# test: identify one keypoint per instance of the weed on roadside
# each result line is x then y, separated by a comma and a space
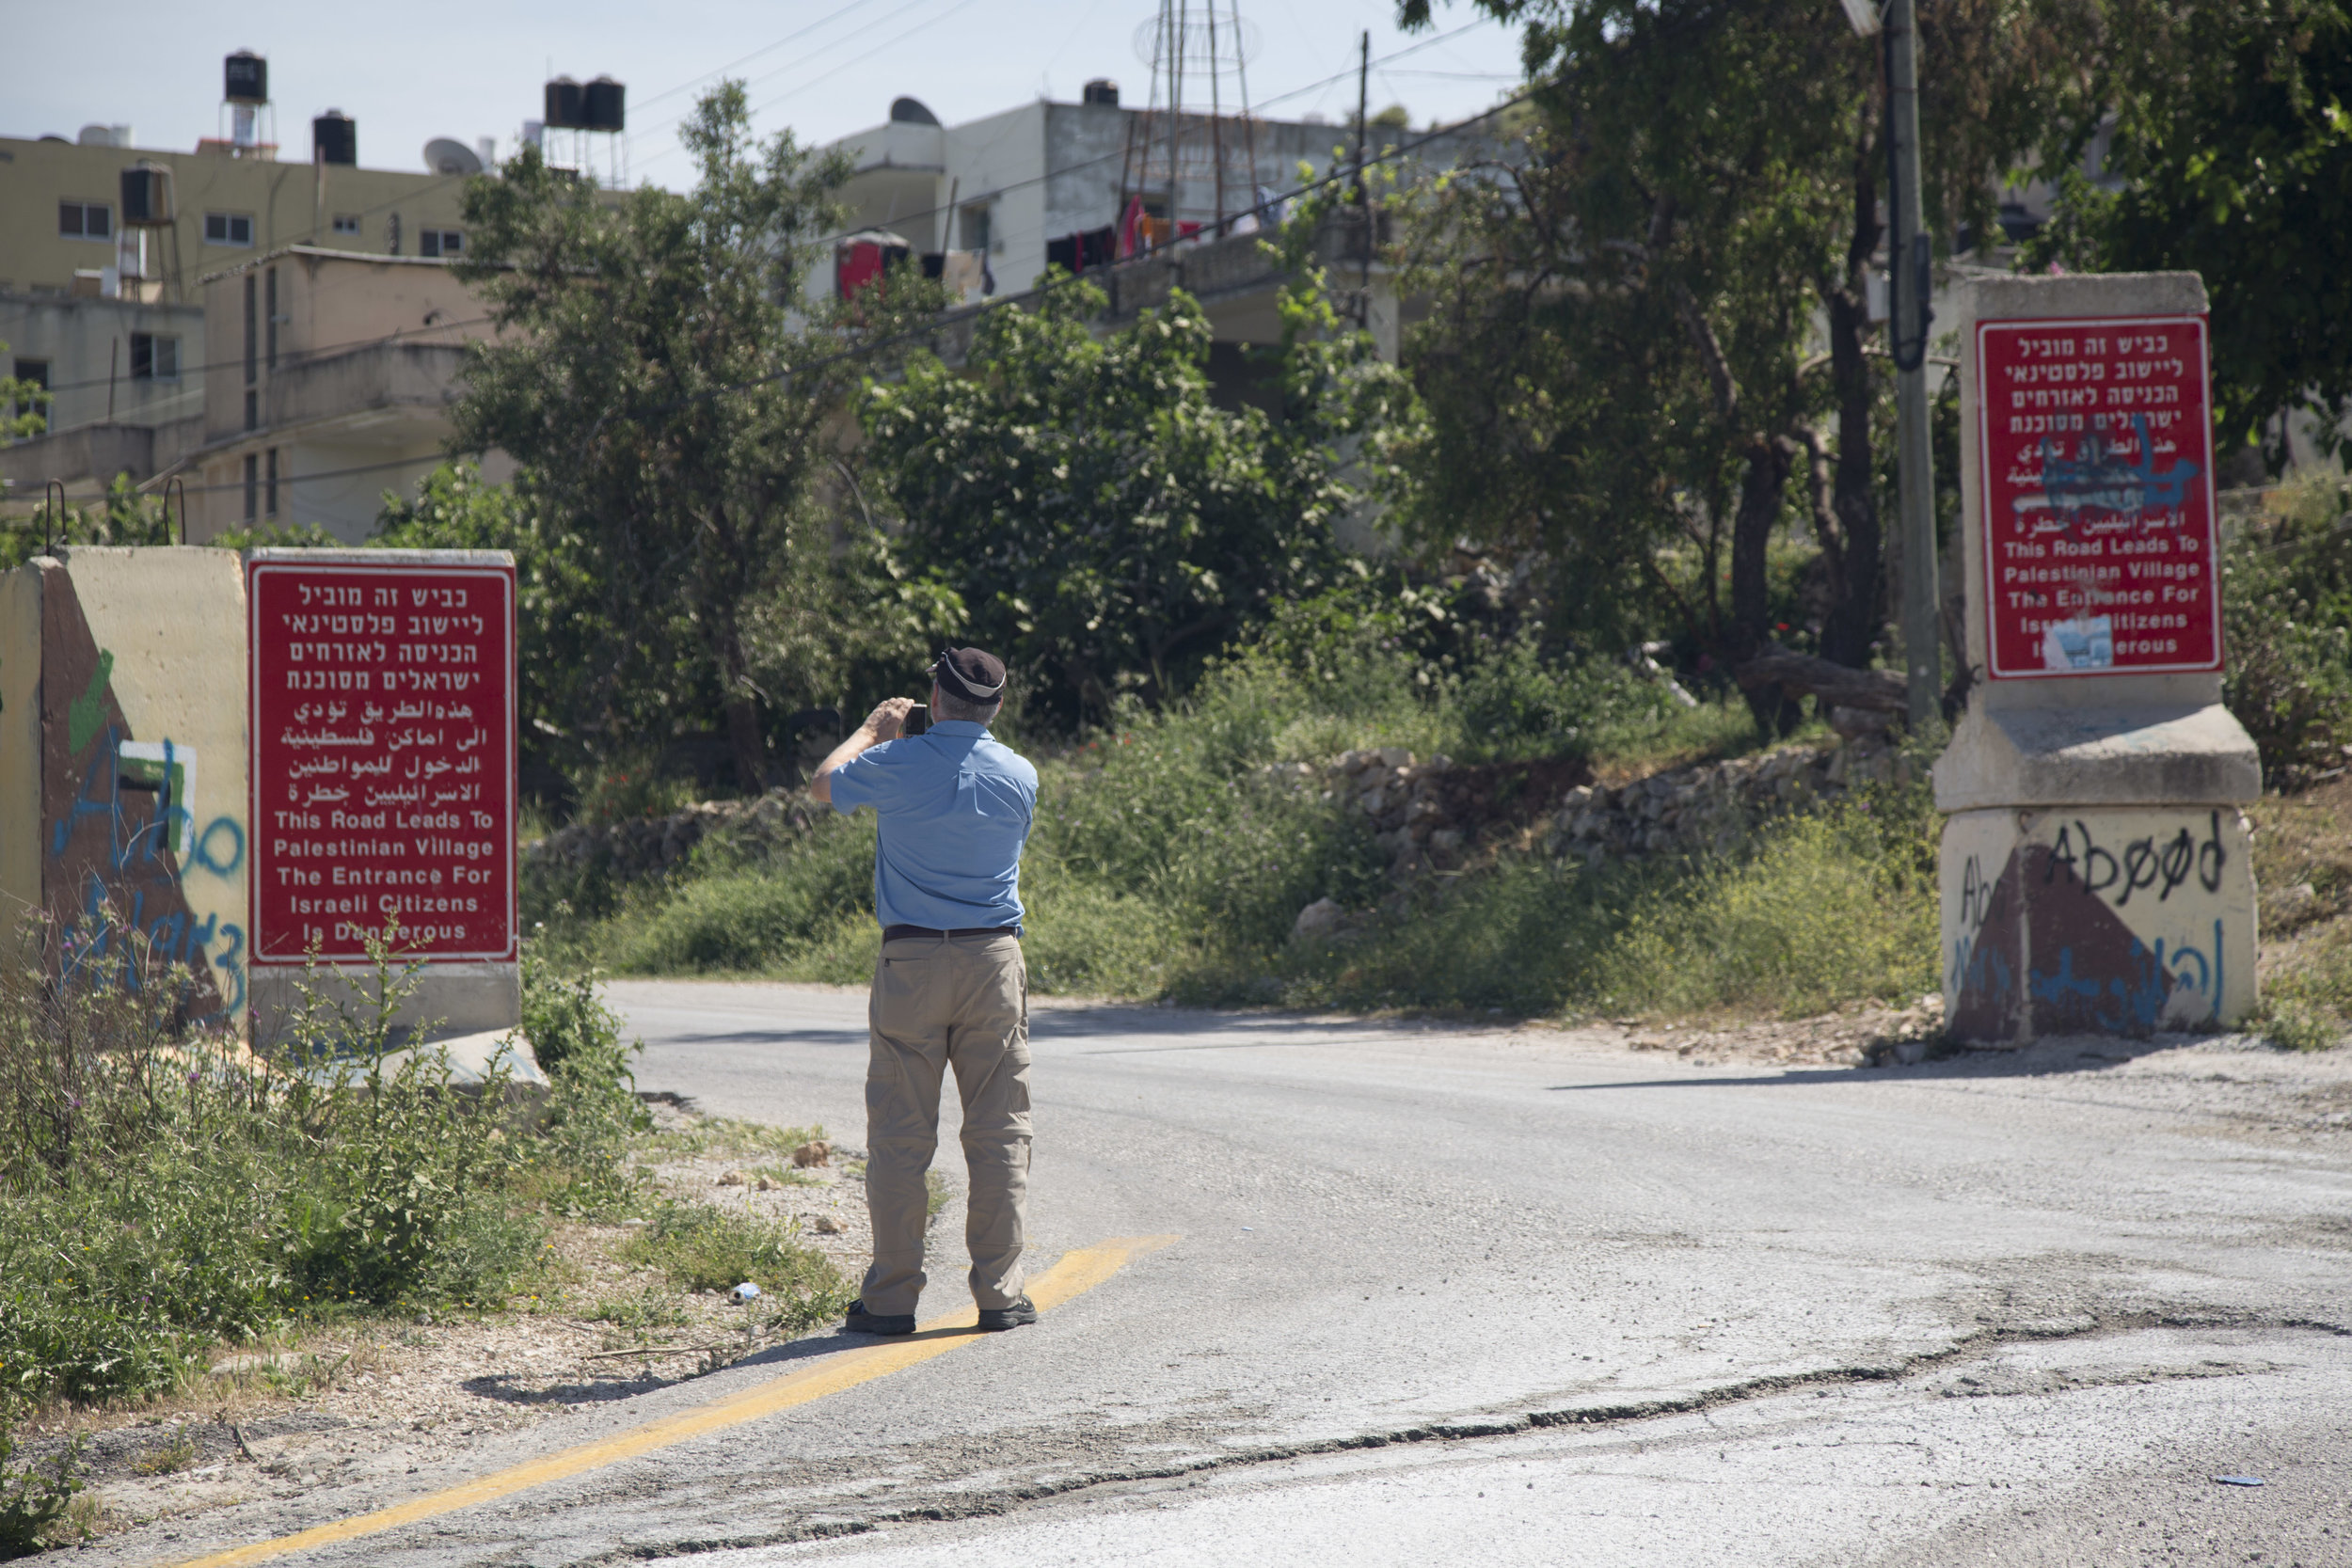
708, 1137
702, 1248
171, 1458
37, 1500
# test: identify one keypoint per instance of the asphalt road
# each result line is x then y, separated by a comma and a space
1441, 1294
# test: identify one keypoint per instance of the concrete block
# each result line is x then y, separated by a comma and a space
2121, 920
123, 785
2144, 754
450, 999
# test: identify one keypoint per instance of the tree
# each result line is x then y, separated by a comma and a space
669, 390
2231, 155
1110, 526
1654, 309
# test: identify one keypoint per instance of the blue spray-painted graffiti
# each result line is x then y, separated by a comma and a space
2151, 995
2097, 491
143, 817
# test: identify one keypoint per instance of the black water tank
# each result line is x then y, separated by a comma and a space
146, 195
564, 109
334, 138
601, 105
1102, 90
911, 111
246, 78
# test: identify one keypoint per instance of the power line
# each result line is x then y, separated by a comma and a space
846, 39
764, 49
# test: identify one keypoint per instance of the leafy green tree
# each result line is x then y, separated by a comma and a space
1651, 315
1109, 525
841, 621
667, 384
2231, 155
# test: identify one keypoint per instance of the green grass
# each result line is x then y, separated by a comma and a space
707, 1135
1173, 851
162, 1193
699, 1247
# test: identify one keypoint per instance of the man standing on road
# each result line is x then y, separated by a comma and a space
950, 988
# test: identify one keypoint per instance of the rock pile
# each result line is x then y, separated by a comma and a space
648, 847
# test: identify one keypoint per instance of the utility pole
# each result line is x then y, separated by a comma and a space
1363, 190
1909, 279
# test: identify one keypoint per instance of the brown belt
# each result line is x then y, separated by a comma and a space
895, 933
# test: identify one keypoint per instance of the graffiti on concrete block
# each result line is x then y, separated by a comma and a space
124, 833
2121, 921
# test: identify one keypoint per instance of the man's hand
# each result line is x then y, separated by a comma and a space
888, 720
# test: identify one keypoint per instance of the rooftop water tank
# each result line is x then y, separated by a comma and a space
246, 78
1101, 90
911, 111
601, 105
566, 108
147, 195
335, 138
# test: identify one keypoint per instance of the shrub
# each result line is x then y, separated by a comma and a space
2287, 602
160, 1192
1827, 910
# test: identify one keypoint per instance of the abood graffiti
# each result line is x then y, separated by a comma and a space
130, 859
2113, 920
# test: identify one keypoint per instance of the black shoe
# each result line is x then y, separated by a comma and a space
861, 1322
995, 1319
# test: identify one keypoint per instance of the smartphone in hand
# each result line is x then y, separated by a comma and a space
918, 719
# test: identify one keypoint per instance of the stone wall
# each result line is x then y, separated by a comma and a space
1432, 814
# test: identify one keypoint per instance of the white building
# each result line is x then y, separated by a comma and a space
1062, 182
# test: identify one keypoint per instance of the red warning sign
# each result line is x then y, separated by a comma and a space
2094, 441
383, 758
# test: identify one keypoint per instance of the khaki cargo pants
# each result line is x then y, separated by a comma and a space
939, 1001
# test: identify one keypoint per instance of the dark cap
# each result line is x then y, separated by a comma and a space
971, 674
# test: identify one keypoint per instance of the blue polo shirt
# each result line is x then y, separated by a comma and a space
954, 808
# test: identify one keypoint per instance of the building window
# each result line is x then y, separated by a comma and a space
229, 228
440, 242
154, 356
86, 220
33, 371
974, 224
271, 493
252, 485
348, 223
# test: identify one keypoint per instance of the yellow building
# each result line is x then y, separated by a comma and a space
61, 215
109, 314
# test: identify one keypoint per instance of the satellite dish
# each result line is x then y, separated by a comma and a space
448, 155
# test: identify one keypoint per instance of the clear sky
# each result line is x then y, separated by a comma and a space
420, 69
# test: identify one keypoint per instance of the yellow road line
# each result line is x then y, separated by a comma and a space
1078, 1272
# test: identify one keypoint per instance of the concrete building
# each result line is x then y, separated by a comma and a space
1066, 183
126, 380
106, 311
61, 212
333, 374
